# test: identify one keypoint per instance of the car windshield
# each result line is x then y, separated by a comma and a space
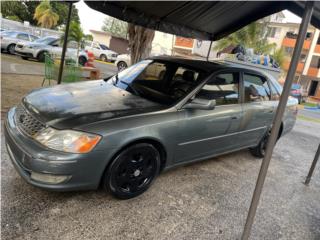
104, 47
45, 40
163, 82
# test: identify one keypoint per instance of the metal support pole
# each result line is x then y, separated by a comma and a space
277, 120
313, 166
209, 51
65, 42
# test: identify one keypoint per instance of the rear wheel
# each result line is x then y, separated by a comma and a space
260, 150
11, 48
132, 171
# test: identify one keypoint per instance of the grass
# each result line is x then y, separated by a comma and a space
301, 117
309, 104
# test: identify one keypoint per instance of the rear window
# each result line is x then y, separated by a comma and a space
9, 34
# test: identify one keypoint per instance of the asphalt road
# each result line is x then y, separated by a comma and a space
15, 65
207, 200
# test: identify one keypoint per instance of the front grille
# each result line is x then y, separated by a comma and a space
26, 122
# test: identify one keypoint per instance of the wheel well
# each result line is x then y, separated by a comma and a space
155, 143
103, 55
41, 52
10, 45
122, 62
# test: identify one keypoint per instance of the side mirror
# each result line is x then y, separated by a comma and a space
203, 104
55, 45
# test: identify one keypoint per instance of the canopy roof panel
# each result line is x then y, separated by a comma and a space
208, 20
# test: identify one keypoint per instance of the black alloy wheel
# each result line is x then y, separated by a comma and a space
11, 48
132, 171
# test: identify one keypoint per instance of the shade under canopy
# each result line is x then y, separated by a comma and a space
208, 20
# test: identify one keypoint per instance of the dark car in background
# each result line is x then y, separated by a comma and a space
296, 92
121, 132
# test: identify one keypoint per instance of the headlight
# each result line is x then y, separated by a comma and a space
67, 140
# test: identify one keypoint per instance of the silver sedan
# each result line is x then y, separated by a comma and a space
9, 40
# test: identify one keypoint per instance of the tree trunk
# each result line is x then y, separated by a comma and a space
140, 42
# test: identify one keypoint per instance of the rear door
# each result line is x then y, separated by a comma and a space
258, 110
204, 133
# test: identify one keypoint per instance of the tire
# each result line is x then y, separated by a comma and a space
260, 150
82, 60
103, 58
121, 66
41, 57
11, 48
132, 171
25, 58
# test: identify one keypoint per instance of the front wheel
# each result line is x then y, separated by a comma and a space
11, 48
132, 171
103, 58
82, 60
41, 57
121, 66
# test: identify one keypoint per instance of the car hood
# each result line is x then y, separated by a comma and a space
73, 105
35, 45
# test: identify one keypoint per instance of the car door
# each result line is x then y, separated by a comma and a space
258, 110
96, 50
206, 133
55, 48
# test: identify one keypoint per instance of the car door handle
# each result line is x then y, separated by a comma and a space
234, 117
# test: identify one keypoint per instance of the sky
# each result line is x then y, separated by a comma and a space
91, 19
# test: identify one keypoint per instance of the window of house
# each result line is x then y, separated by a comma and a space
224, 88
273, 32
255, 88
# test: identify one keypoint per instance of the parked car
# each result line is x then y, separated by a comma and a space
9, 39
101, 51
50, 45
296, 91
121, 132
123, 61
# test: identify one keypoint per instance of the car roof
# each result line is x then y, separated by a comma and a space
205, 66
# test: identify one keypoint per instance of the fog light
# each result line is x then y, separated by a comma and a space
49, 178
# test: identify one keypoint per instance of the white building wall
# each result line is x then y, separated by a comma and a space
162, 43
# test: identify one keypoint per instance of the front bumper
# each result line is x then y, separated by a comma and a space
84, 170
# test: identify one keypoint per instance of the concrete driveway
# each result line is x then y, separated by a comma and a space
207, 200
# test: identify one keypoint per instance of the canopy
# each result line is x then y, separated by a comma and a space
207, 20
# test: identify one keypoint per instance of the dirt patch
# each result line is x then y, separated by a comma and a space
14, 87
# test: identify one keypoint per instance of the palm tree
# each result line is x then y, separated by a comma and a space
75, 34
253, 36
45, 16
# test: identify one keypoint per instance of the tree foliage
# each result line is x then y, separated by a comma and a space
45, 16
253, 36
115, 26
279, 56
140, 42
24, 11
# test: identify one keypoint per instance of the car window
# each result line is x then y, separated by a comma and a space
56, 43
185, 74
255, 88
224, 88
23, 36
9, 33
154, 71
274, 95
104, 47
33, 38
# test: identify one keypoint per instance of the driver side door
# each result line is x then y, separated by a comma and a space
205, 133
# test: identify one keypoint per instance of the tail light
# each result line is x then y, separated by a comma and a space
296, 91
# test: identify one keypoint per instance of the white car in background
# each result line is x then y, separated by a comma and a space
101, 51
123, 61
9, 40
51, 46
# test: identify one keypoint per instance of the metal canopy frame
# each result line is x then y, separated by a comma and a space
307, 14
